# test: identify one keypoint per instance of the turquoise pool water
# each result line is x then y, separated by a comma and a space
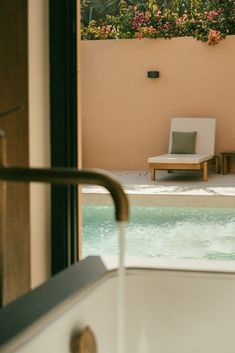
183, 233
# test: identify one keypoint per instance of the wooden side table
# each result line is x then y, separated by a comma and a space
225, 160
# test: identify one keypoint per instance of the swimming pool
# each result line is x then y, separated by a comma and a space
168, 232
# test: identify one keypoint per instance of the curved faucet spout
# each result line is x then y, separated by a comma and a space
72, 176
66, 176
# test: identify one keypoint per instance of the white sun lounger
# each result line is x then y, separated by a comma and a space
204, 148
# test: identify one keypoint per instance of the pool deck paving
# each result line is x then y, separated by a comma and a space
174, 189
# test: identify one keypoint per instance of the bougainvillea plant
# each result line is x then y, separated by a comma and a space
208, 21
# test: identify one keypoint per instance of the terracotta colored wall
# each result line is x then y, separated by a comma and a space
126, 116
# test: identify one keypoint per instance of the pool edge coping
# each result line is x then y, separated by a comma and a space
170, 200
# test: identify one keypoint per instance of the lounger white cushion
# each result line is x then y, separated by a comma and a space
204, 147
180, 158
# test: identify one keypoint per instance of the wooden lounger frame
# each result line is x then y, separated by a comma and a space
179, 166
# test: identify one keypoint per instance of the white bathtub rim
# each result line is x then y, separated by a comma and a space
47, 319
134, 268
138, 262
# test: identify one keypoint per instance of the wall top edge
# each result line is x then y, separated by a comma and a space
186, 38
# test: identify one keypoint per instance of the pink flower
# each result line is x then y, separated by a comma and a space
147, 15
138, 20
167, 26
214, 37
213, 15
138, 35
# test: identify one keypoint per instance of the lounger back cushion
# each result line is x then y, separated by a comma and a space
183, 142
205, 128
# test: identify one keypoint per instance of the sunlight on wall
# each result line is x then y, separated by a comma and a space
126, 116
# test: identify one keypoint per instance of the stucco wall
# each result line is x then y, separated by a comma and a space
126, 116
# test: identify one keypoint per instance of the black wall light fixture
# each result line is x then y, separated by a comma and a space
153, 74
